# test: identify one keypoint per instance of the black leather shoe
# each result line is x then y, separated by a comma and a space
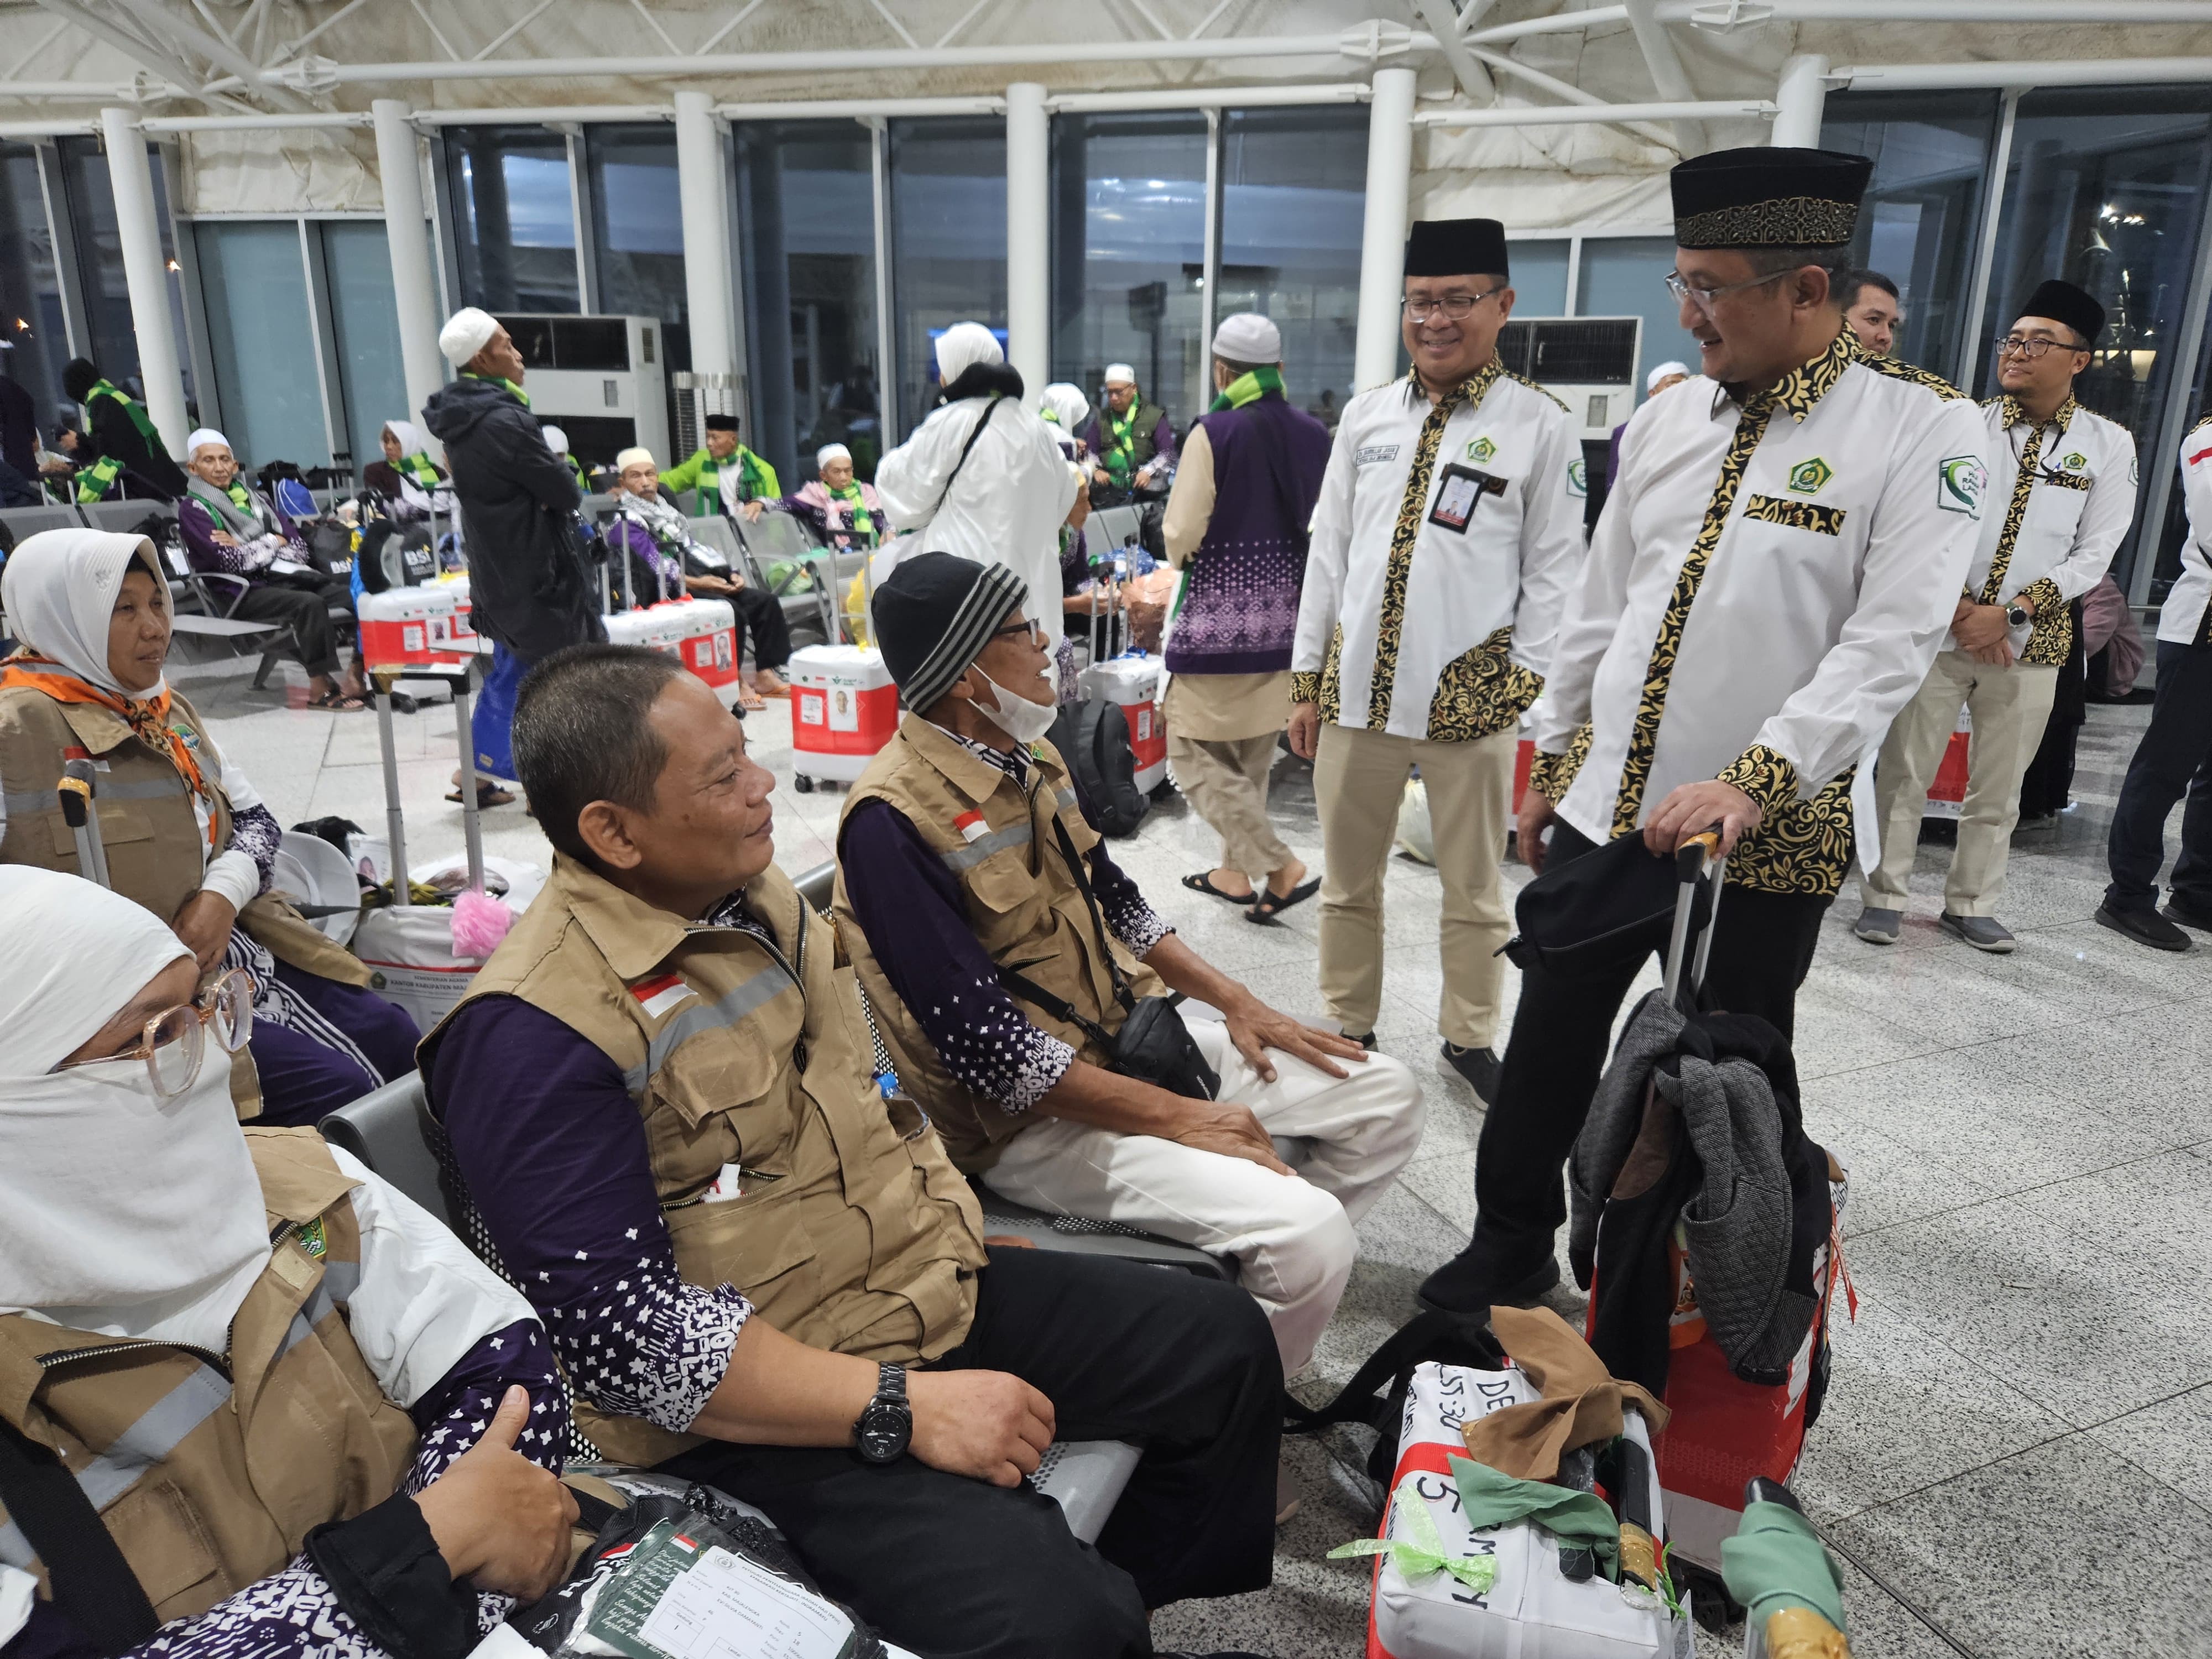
1479, 1066
2144, 926
1366, 1042
2188, 914
1461, 1286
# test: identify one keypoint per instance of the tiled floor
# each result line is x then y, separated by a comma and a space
2013, 1461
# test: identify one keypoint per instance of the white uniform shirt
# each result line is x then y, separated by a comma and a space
2061, 495
1764, 592
1005, 508
1440, 630
2186, 617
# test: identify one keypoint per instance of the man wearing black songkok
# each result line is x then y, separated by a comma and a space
1776, 564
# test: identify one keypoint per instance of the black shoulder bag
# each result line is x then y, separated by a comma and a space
93, 1585
1153, 1045
981, 421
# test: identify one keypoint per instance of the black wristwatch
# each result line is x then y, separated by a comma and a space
887, 1423
2019, 615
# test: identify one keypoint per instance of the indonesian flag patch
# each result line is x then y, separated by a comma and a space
971, 826
658, 996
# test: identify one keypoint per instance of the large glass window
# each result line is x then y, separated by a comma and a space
1128, 255
30, 296
1920, 223
948, 182
1294, 190
91, 198
263, 338
2105, 190
1626, 276
637, 211
515, 222
1540, 277
807, 217
365, 323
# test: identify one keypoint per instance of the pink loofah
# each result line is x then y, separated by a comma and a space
480, 921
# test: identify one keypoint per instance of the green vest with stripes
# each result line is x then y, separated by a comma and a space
852, 1230
1021, 900
207, 1482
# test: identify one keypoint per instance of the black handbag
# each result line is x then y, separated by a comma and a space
1153, 1045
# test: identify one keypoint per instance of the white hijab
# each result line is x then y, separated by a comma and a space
411, 442
119, 1213
961, 347
1067, 404
59, 591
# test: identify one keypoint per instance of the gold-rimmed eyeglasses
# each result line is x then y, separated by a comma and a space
175, 1040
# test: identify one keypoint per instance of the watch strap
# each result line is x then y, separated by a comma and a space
891, 1381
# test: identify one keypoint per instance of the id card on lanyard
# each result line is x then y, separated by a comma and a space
1460, 492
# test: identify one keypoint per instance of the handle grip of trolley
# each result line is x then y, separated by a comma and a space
1697, 861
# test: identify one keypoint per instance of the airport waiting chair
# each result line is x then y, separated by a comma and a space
389, 1130
23, 521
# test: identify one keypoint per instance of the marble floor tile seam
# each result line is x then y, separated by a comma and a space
1910, 1608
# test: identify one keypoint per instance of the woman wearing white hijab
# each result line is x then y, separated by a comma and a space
409, 481
186, 834
310, 1422
1063, 407
983, 476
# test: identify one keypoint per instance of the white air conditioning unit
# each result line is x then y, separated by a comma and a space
1589, 363
602, 380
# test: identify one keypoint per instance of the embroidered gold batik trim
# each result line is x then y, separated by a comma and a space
1305, 685
1332, 689
1413, 508
1797, 515
2016, 511
1787, 222
1482, 692
1545, 390
1552, 775
1800, 846
1889, 368
2050, 632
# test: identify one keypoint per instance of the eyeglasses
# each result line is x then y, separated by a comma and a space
1032, 630
1457, 306
1704, 297
2029, 346
175, 1041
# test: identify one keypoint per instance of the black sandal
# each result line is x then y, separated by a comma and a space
1203, 883
487, 795
340, 702
1269, 906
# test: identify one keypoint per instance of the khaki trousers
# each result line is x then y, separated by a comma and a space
1226, 779
2010, 708
1359, 781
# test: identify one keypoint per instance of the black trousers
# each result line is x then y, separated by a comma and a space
1763, 946
2174, 757
761, 614
305, 611
946, 1566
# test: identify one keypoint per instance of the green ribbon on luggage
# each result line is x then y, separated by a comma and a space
1421, 1551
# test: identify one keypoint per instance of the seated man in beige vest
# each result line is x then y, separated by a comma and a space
250, 1396
760, 1272
1001, 973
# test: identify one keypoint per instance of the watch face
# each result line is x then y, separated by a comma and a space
882, 1433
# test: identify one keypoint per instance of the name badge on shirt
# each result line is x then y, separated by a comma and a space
1457, 496
1374, 455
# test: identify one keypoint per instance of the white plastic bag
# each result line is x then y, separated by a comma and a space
1415, 838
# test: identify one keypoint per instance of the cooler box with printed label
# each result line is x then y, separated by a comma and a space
424, 628
701, 633
1532, 1609
1947, 793
843, 709
1134, 682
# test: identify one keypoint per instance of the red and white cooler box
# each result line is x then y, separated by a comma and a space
843, 709
425, 628
1134, 682
701, 633
1532, 1610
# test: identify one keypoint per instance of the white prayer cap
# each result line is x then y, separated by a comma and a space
1119, 375
963, 345
466, 332
1651, 380
557, 440
830, 453
630, 458
206, 435
1247, 338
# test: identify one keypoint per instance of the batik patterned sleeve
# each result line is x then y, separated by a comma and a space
554, 1155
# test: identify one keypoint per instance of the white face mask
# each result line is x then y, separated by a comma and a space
1018, 717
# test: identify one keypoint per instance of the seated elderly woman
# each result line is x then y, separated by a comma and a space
230, 529
839, 507
302, 1418
187, 836
409, 481
666, 561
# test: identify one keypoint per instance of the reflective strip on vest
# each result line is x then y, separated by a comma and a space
46, 800
340, 1281
154, 1436
756, 993
966, 858
1066, 798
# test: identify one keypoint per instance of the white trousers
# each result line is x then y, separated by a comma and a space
1290, 1234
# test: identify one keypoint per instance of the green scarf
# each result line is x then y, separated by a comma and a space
583, 478
521, 396
131, 407
233, 508
863, 522
756, 481
1120, 449
420, 468
1246, 388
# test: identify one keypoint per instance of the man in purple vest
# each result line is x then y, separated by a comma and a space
1236, 527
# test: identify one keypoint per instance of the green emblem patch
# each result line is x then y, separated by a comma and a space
1807, 478
1482, 451
2075, 462
310, 1236
1578, 476
1960, 480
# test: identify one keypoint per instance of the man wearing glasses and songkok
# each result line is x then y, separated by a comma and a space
1777, 562
1448, 530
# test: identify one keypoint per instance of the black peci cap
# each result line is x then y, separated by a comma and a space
1456, 247
2062, 302
721, 423
1768, 197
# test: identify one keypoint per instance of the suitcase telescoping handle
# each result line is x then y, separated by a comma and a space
1696, 860
78, 784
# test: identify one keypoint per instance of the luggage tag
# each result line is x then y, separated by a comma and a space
1462, 490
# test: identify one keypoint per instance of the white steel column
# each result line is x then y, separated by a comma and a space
704, 194
1801, 99
406, 231
1383, 239
1029, 235
146, 276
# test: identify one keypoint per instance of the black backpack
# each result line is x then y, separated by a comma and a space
1093, 738
1449, 1339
